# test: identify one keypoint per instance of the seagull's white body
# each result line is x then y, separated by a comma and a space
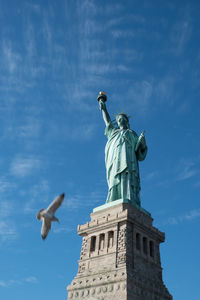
47, 215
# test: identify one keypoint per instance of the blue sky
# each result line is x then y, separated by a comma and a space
55, 56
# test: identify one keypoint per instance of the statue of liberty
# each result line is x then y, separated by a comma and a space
122, 152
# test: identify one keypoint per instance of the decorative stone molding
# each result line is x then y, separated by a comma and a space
118, 269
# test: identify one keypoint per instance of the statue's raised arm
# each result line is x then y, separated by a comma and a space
124, 149
102, 106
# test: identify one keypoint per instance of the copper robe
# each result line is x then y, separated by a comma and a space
122, 164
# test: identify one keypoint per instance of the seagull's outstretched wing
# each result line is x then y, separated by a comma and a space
55, 204
46, 226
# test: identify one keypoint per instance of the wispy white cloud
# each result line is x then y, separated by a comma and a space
113, 8
91, 27
82, 200
34, 7
10, 57
39, 193
107, 68
20, 67
117, 33
87, 131
47, 30
7, 230
31, 128
6, 185
73, 202
164, 88
186, 169
31, 279
26, 127
24, 166
88, 6
183, 107
62, 229
96, 61
181, 34
15, 67
138, 19
3, 283
152, 175
14, 282
139, 94
6, 208
123, 68
197, 184
30, 41
189, 216
78, 132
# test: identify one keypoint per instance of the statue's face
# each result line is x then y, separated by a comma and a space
122, 122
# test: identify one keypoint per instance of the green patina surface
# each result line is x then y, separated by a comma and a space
122, 152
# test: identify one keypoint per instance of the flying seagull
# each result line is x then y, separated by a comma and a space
47, 215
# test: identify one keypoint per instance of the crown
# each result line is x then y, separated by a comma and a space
123, 114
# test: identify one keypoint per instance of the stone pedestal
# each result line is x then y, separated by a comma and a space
120, 257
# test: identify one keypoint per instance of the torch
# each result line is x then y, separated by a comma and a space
102, 96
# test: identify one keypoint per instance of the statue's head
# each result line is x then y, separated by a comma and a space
122, 121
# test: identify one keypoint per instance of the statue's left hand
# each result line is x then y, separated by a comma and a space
143, 141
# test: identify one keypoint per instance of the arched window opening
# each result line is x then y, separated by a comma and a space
145, 245
101, 241
151, 247
93, 244
138, 241
110, 239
